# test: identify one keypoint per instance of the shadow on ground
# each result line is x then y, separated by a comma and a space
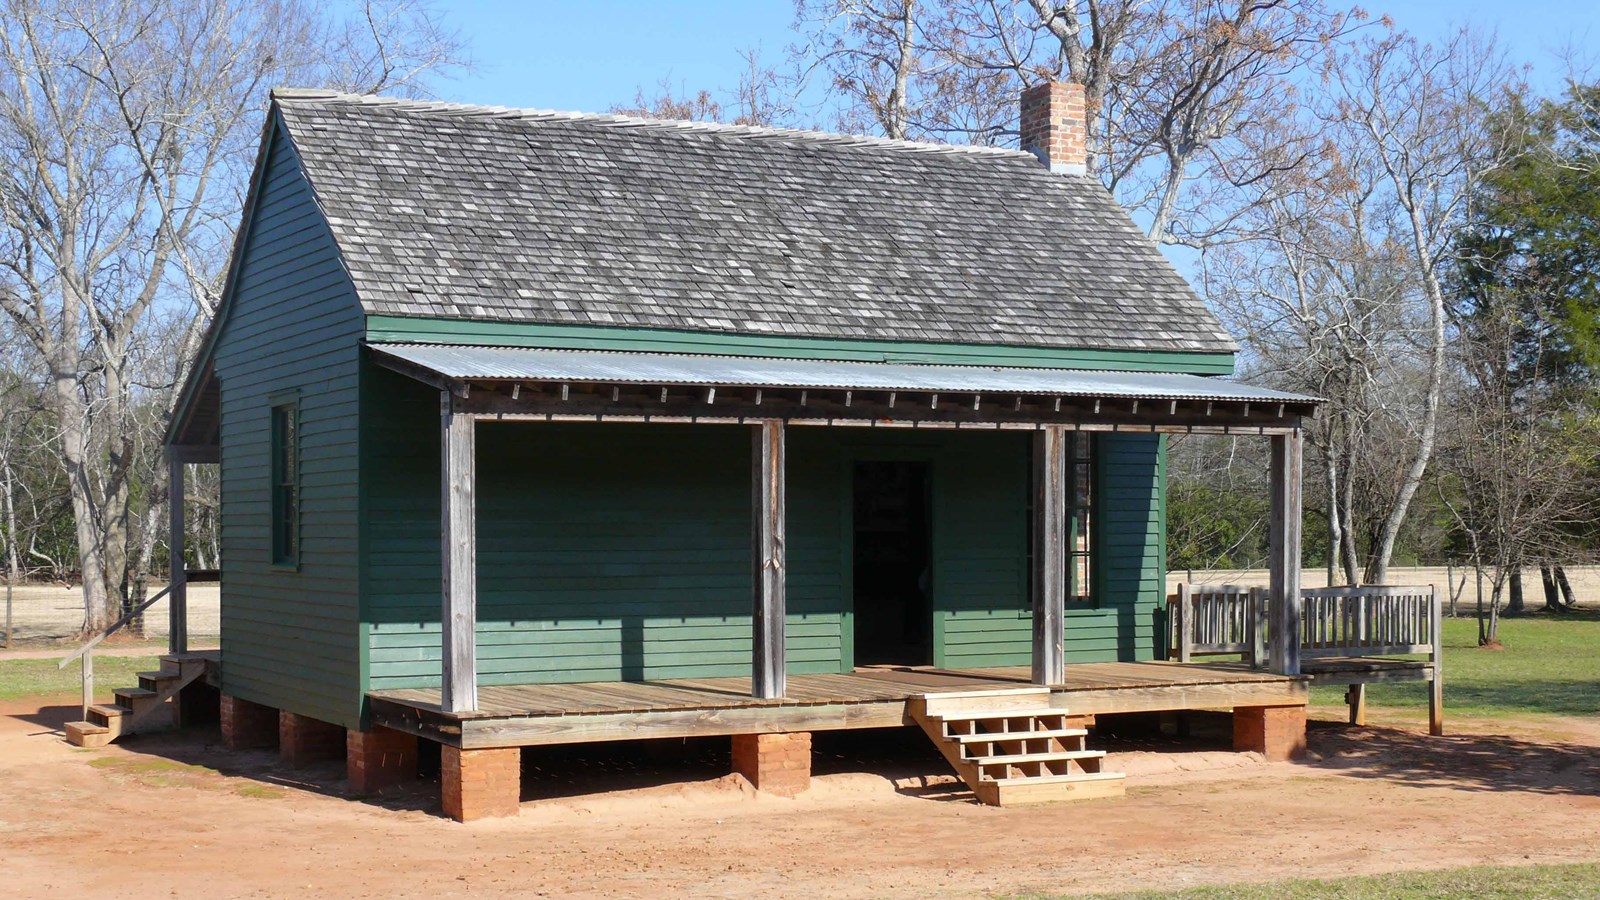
902, 756
1473, 762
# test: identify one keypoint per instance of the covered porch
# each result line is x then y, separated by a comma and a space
1030, 715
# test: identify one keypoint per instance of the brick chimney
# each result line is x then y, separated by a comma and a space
1053, 127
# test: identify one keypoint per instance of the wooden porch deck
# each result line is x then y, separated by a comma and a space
523, 715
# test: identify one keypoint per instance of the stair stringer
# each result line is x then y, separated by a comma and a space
1081, 774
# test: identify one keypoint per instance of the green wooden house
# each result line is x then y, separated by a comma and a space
540, 427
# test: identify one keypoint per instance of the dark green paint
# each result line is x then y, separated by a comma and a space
594, 337
292, 329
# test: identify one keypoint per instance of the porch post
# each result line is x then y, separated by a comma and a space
767, 679
1049, 553
1284, 593
178, 581
458, 558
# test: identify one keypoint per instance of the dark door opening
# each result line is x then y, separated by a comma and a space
892, 577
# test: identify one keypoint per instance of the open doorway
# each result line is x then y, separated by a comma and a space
892, 574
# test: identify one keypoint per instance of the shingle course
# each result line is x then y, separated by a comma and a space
560, 218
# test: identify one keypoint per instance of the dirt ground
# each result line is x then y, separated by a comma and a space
175, 815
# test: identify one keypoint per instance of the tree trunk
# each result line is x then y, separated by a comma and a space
1552, 596
1516, 606
8, 505
1483, 625
1569, 598
75, 453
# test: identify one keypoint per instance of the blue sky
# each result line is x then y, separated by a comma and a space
584, 55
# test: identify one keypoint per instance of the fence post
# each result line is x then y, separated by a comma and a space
1258, 628
1181, 623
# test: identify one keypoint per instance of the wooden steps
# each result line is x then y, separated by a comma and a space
149, 707
1011, 747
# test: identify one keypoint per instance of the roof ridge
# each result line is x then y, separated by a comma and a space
617, 120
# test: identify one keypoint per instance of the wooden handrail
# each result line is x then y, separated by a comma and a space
1374, 620
132, 614
1212, 620
1371, 620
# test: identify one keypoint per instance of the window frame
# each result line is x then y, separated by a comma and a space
1082, 494
1083, 461
283, 426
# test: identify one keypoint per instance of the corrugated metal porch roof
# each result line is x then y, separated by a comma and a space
459, 363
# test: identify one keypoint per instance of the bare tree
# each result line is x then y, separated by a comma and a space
1336, 282
125, 135
870, 52
1423, 110
1518, 460
1170, 87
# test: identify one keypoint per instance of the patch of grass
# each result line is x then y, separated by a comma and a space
142, 766
1484, 883
1550, 666
261, 791
40, 678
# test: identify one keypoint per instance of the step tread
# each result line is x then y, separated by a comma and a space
1018, 735
1060, 779
160, 676
1047, 756
86, 728
135, 693
1031, 712
110, 710
997, 693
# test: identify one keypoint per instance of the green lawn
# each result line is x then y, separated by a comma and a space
1550, 666
1487, 883
39, 677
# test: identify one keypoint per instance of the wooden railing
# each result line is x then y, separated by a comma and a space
1369, 621
86, 652
1231, 620
1218, 620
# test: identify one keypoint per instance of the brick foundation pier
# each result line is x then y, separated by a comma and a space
1276, 732
480, 784
247, 725
775, 763
303, 740
379, 759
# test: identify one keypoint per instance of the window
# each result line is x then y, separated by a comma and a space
285, 484
1080, 511
1079, 538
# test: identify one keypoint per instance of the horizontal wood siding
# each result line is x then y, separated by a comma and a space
606, 552
1130, 540
620, 551
982, 615
293, 328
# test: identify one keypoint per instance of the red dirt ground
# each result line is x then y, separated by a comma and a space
177, 816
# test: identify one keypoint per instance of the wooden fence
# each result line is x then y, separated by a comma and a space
1348, 635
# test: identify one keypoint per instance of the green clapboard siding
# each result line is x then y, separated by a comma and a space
621, 551
290, 636
1130, 564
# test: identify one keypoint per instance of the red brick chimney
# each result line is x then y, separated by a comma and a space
1053, 126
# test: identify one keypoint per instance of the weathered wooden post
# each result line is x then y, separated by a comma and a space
458, 619
1285, 559
1180, 622
178, 579
1049, 553
768, 676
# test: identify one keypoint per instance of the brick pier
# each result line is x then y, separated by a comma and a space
775, 763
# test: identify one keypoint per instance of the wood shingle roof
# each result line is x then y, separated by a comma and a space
526, 216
